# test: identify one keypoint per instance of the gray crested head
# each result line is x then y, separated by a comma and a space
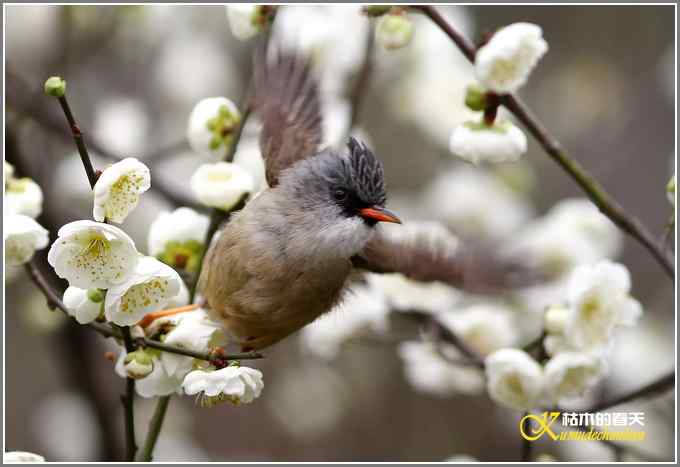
350, 180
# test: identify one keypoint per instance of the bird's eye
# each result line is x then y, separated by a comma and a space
340, 194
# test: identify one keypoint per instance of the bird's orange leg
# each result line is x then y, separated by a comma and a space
151, 317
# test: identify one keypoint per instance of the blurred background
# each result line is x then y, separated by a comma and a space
605, 89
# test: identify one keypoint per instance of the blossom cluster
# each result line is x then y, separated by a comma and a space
23, 235
111, 281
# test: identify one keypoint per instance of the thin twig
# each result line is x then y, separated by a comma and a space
54, 302
658, 386
128, 400
604, 201
443, 334
79, 140
155, 425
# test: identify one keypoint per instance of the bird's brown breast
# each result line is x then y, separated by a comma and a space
259, 283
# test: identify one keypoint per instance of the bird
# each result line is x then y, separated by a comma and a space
288, 256
285, 258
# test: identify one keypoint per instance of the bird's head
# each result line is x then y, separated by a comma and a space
344, 192
356, 184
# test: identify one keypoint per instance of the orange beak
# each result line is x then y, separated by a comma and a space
379, 214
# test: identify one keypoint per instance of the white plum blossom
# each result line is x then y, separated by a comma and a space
23, 236
236, 384
92, 255
485, 327
156, 383
581, 216
138, 364
477, 204
192, 330
12, 457
573, 232
118, 188
221, 185
181, 225
9, 170
211, 126
177, 238
23, 196
406, 294
477, 142
514, 379
430, 372
249, 157
150, 287
599, 299
84, 305
246, 20
555, 319
362, 309
504, 63
570, 374
394, 31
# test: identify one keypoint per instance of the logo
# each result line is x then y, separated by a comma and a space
531, 433
591, 426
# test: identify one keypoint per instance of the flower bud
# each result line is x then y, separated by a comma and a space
394, 31
96, 295
55, 86
475, 97
555, 319
138, 364
670, 190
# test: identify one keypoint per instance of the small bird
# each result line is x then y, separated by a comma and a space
285, 258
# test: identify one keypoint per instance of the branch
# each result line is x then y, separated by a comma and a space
155, 425
54, 302
604, 201
655, 388
77, 135
128, 400
443, 334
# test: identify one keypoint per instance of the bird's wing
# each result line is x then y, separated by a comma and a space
286, 98
437, 255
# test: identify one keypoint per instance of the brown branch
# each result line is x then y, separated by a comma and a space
54, 302
77, 135
595, 191
655, 388
443, 334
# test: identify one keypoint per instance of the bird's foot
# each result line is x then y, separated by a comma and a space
151, 317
